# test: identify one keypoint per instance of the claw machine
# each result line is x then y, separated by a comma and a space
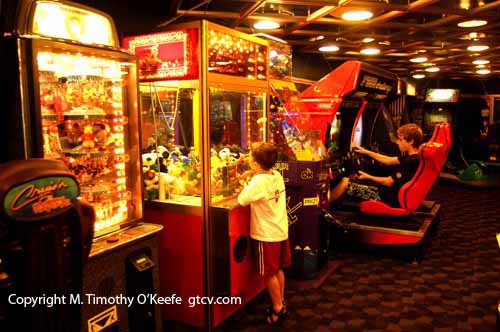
302, 164
72, 96
203, 103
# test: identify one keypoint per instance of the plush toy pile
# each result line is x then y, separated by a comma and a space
177, 171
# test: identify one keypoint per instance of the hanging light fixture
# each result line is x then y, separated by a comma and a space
419, 59
483, 71
480, 62
357, 15
472, 23
370, 51
477, 48
266, 25
432, 69
329, 48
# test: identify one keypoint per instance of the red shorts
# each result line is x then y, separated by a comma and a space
271, 257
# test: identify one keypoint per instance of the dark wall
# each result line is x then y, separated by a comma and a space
485, 86
310, 66
132, 17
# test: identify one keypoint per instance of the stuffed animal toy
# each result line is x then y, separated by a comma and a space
148, 160
151, 184
87, 139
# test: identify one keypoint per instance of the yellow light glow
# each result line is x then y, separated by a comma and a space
418, 76
472, 23
368, 40
62, 21
329, 48
419, 59
480, 62
477, 48
483, 71
357, 15
266, 25
370, 51
432, 69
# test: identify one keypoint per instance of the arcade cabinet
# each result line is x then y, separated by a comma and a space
45, 239
349, 105
72, 96
302, 164
204, 90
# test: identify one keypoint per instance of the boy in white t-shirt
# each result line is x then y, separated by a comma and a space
268, 224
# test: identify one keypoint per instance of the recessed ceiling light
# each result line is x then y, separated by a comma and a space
368, 39
370, 51
477, 48
483, 71
480, 62
472, 23
357, 15
329, 48
418, 76
266, 25
432, 69
419, 59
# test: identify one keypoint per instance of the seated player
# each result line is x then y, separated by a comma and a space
384, 188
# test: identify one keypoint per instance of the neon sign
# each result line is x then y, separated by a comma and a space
40, 198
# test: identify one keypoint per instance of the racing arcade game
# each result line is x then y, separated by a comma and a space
45, 240
72, 96
355, 97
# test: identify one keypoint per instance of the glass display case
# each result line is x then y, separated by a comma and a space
198, 124
85, 123
84, 106
172, 112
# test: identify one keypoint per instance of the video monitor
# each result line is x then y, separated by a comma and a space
442, 95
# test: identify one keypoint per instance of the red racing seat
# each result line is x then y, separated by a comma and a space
432, 156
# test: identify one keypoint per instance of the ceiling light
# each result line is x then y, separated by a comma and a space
480, 62
370, 51
266, 25
465, 4
472, 23
418, 76
432, 69
357, 15
483, 71
316, 38
368, 40
477, 48
481, 66
419, 59
329, 48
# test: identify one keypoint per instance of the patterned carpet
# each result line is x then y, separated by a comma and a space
455, 287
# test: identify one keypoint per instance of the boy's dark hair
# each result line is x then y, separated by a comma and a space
410, 132
265, 154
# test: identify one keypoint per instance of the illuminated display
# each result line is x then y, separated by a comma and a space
84, 124
61, 21
232, 55
442, 95
167, 55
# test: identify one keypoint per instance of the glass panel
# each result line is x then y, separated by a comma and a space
232, 55
236, 121
83, 102
170, 141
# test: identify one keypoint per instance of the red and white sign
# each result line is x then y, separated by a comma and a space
166, 55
